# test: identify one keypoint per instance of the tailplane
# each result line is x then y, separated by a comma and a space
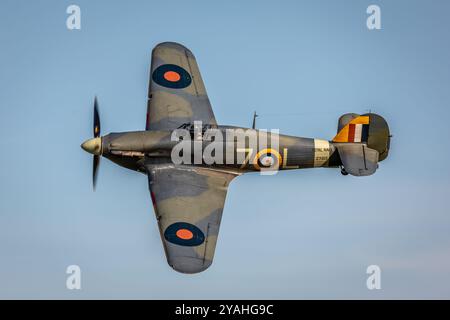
362, 141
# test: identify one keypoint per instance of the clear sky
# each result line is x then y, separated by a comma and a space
300, 64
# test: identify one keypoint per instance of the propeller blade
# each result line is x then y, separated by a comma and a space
96, 160
96, 119
95, 170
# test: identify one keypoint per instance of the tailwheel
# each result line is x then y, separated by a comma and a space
344, 172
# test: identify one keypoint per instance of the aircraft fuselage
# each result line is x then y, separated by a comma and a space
242, 149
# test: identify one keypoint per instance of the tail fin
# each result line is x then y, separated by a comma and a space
356, 130
362, 141
368, 128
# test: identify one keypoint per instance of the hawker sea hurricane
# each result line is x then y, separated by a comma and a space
190, 159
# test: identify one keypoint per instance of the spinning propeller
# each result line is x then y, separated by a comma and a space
94, 145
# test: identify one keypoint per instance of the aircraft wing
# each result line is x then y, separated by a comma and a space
188, 204
176, 94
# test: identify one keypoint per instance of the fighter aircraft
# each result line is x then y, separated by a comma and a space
188, 197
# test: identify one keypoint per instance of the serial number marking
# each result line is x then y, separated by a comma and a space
246, 309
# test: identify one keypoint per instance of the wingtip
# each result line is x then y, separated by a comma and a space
189, 266
174, 45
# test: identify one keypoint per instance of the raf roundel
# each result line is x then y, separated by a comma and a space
184, 234
267, 159
171, 76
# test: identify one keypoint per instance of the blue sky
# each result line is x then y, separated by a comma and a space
300, 64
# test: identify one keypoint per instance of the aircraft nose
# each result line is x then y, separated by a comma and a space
93, 146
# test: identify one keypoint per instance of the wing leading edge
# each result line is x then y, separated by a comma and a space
188, 204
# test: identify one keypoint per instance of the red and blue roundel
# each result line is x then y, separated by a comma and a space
184, 234
171, 76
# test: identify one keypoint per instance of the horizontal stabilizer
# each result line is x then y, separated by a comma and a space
358, 159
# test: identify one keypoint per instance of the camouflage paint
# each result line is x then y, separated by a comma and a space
188, 200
